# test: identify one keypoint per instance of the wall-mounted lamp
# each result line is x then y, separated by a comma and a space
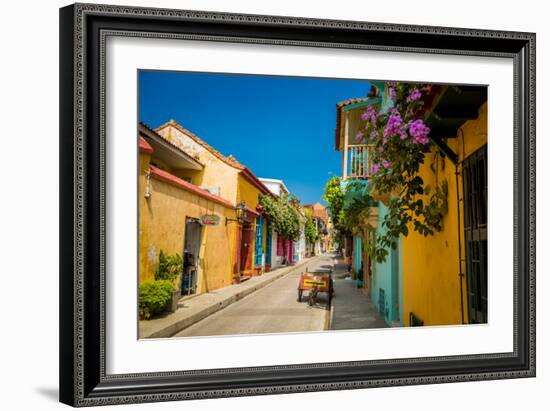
147, 193
240, 214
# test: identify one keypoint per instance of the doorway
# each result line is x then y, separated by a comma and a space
246, 248
191, 256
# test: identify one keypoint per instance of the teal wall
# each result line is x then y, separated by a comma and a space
357, 254
387, 277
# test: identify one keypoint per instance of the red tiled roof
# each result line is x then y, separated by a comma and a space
318, 210
144, 146
178, 182
351, 101
230, 160
144, 129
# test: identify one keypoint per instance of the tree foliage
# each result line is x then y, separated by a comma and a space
283, 215
354, 213
310, 231
334, 196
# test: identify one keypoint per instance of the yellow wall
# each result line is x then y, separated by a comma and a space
430, 265
233, 187
250, 195
216, 173
247, 192
162, 226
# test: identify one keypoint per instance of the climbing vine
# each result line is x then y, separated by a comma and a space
283, 216
399, 141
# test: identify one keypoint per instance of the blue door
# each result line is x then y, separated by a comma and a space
258, 249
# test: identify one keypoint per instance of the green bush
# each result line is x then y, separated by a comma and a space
170, 267
154, 298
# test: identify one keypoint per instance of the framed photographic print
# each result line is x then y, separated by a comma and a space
262, 204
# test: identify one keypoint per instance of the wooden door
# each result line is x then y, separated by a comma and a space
246, 248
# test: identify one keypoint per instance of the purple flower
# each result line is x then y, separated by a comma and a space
375, 168
369, 115
373, 135
360, 137
414, 95
393, 127
419, 132
386, 164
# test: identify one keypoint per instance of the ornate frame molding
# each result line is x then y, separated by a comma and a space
82, 315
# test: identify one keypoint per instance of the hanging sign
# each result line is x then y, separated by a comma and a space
210, 219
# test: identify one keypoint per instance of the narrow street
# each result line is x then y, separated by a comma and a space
272, 309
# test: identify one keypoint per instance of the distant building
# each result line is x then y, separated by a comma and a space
277, 187
283, 251
319, 214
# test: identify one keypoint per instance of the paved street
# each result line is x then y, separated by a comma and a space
353, 308
272, 309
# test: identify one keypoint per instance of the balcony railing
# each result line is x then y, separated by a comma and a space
357, 162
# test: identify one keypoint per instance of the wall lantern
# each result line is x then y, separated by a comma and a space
240, 214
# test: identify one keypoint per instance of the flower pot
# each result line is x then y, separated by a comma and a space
173, 306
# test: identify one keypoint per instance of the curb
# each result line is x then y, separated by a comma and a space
174, 328
329, 317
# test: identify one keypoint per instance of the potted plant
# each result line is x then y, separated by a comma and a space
170, 268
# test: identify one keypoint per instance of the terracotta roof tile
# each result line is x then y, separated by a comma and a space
230, 160
144, 146
146, 128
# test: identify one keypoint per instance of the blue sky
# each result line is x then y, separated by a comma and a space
279, 127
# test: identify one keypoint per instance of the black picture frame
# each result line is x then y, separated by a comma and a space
83, 29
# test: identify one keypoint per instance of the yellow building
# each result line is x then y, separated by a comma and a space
444, 276
200, 204
439, 279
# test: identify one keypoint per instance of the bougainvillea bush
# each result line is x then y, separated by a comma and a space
283, 216
399, 140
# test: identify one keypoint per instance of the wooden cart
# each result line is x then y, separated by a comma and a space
316, 282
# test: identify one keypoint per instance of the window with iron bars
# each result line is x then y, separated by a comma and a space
474, 171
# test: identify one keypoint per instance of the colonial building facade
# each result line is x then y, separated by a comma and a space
200, 204
432, 280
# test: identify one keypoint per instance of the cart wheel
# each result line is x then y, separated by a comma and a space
312, 298
300, 293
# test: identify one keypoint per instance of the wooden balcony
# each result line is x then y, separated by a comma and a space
356, 162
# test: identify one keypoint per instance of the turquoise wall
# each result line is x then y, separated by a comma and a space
387, 277
357, 254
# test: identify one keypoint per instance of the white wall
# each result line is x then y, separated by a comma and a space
29, 90
275, 188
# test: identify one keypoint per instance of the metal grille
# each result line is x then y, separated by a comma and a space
474, 170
